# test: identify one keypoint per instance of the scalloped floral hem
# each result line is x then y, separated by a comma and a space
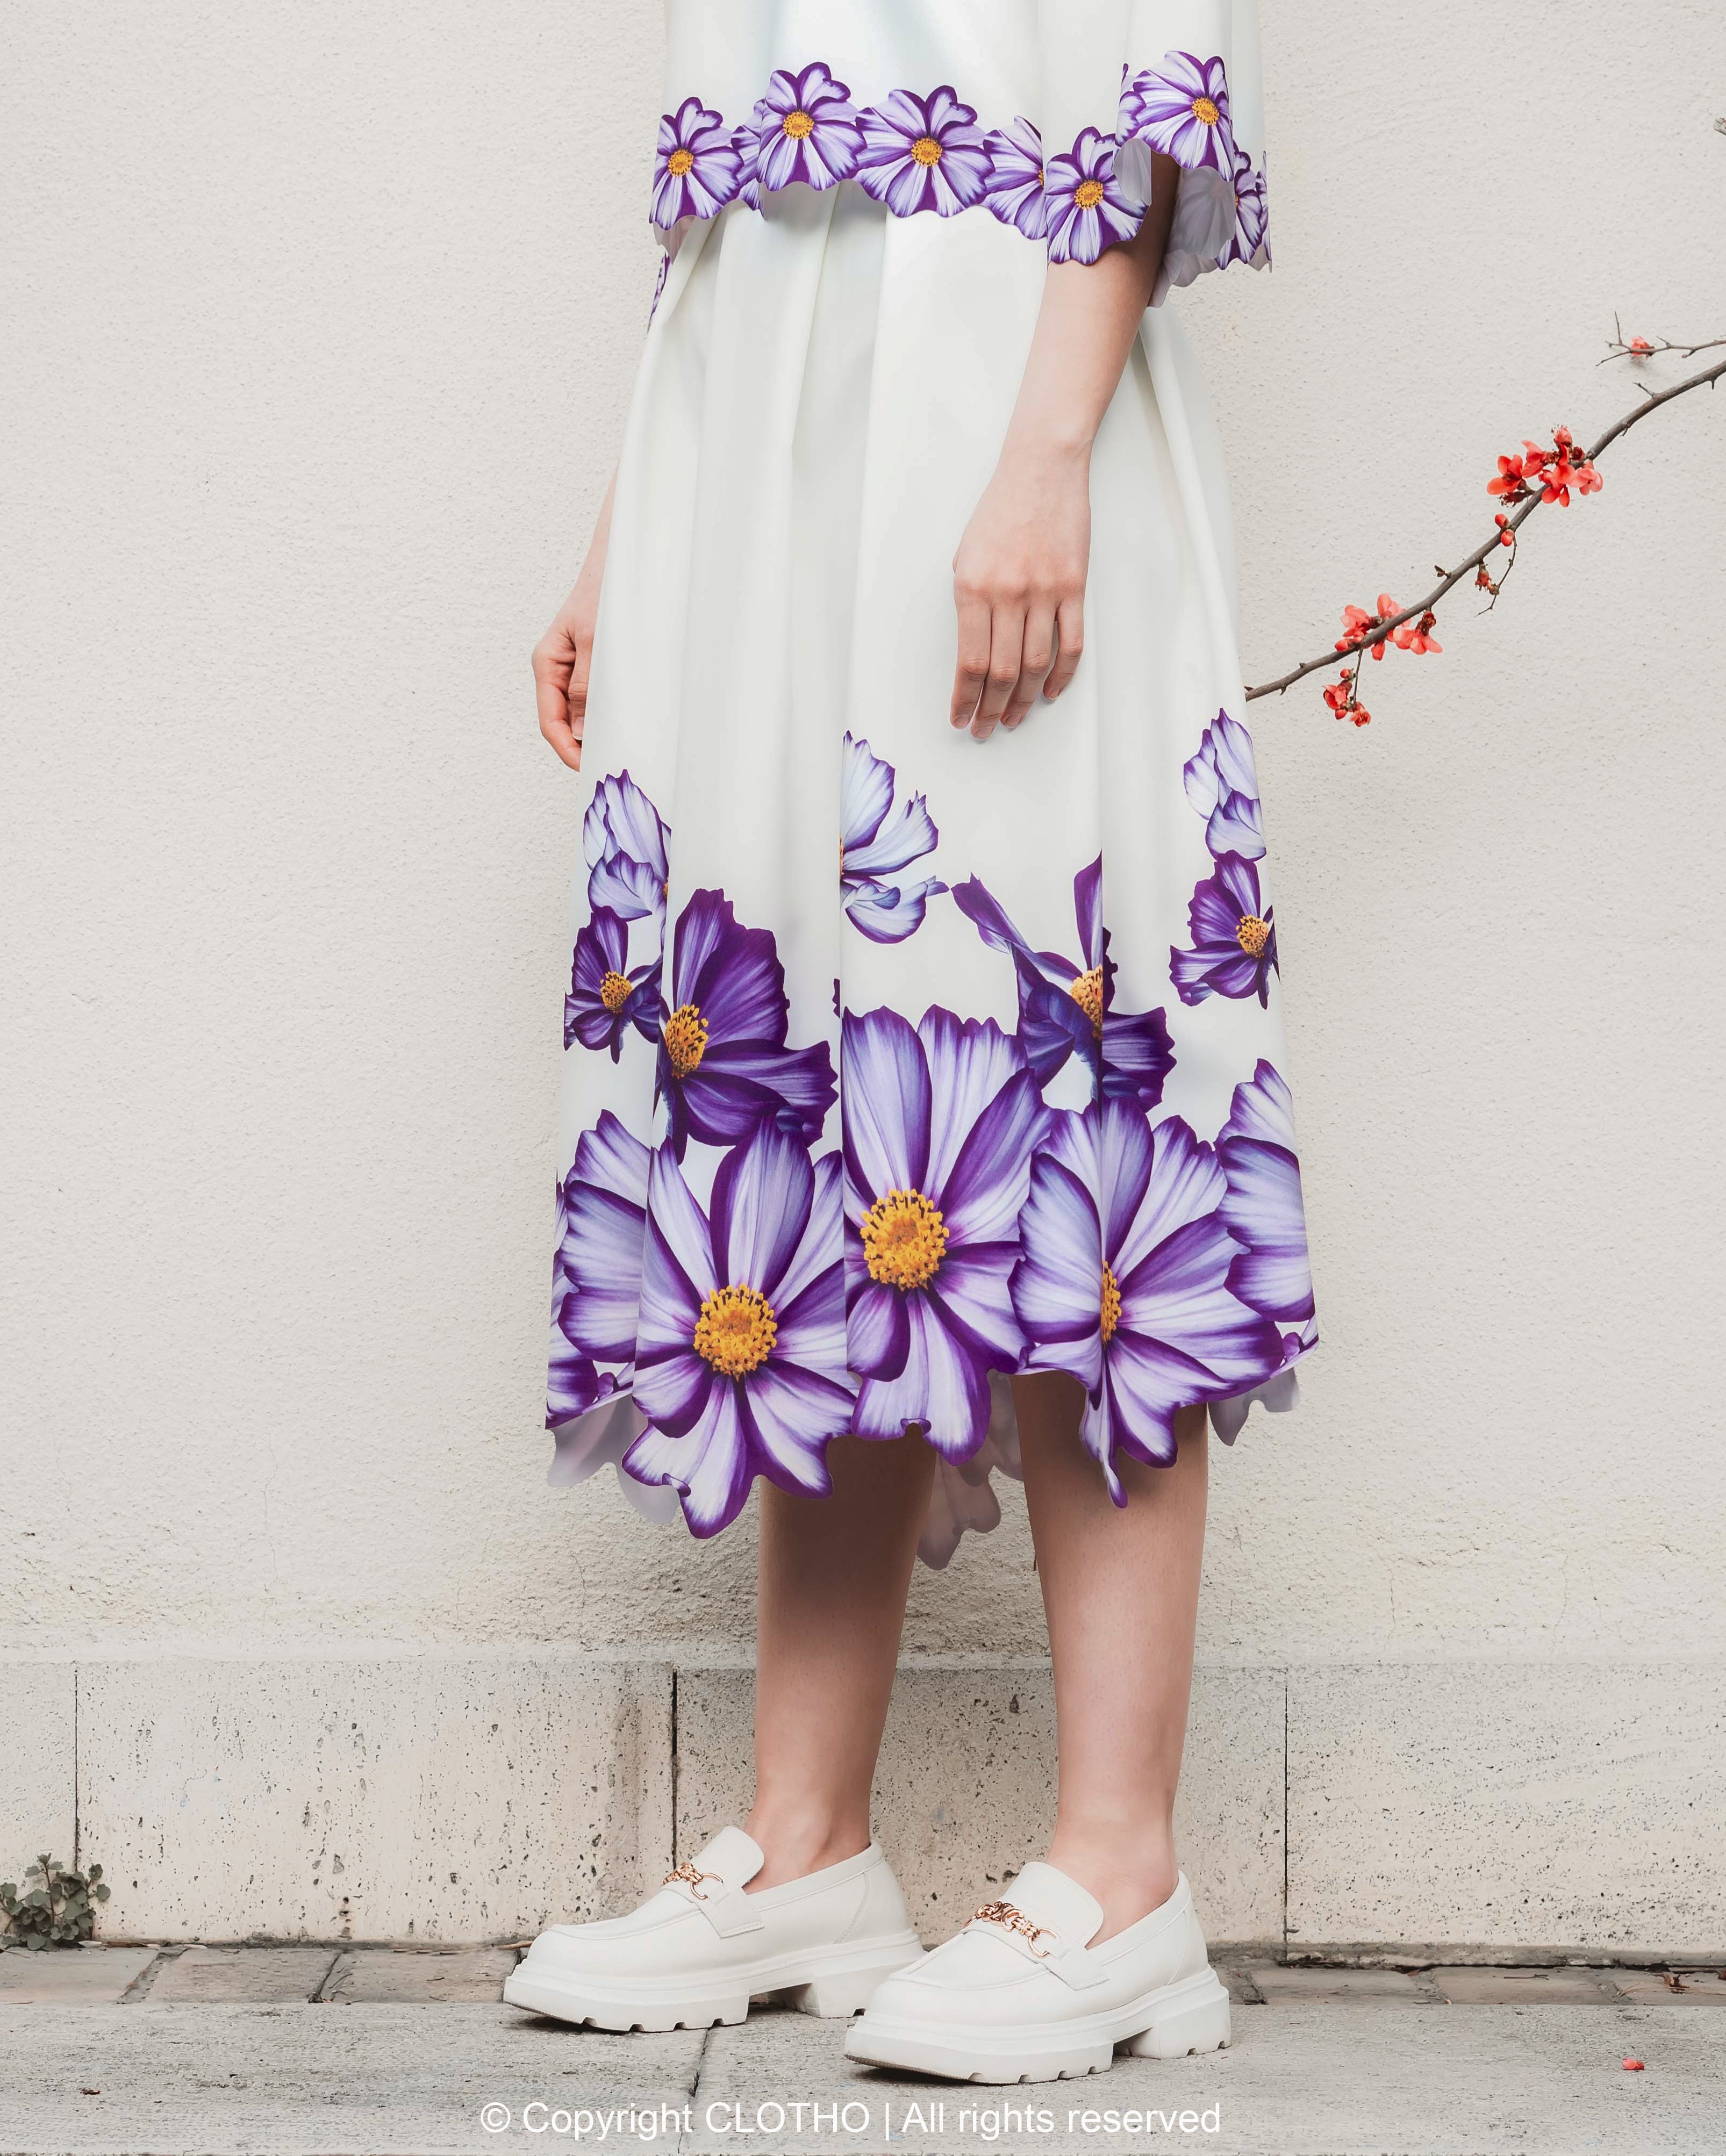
963, 1500
916, 153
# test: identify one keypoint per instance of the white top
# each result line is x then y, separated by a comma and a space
1044, 113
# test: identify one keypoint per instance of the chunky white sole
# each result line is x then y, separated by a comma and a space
835, 1982
1192, 2016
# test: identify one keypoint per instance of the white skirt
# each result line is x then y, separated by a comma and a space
895, 1062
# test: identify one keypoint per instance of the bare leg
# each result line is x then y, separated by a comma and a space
1121, 1591
834, 1575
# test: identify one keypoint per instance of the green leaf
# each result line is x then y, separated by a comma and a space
102, 1893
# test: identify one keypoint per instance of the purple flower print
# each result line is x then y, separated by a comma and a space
923, 153
623, 838
697, 167
1084, 210
940, 1122
741, 1345
1066, 1006
1124, 1280
806, 129
1233, 942
1251, 235
1222, 784
723, 1066
1263, 1208
875, 842
1181, 109
604, 1001
1015, 189
596, 1282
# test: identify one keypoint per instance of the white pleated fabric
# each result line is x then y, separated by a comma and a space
847, 1060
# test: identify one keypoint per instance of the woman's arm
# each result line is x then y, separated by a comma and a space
1018, 575
563, 657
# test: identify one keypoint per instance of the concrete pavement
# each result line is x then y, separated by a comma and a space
370, 2051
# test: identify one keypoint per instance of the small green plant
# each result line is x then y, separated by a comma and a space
56, 1908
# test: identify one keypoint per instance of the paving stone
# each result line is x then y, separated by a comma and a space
1277, 1986
237, 1975
94, 1976
1299, 2080
1509, 1986
1702, 1986
374, 1976
318, 2081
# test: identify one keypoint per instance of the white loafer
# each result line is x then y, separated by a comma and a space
697, 1951
1019, 1996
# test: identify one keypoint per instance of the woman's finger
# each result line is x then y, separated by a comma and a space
1069, 624
972, 670
1037, 658
551, 683
1006, 649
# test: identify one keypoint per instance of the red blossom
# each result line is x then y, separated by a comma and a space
1509, 481
1588, 480
1641, 346
1358, 624
1341, 698
1420, 637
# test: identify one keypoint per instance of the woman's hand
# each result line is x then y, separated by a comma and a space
563, 657
1019, 584
1019, 576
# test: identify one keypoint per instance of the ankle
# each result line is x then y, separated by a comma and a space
1129, 1871
795, 1842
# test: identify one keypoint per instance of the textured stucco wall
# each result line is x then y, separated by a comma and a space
320, 324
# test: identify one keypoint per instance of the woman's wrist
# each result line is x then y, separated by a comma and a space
1041, 451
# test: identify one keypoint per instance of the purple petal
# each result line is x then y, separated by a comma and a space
1088, 905
1186, 1184
1057, 1283
973, 1293
823, 1244
886, 915
760, 1208
1137, 1055
1263, 1108
792, 1415
731, 975
970, 1062
979, 907
603, 1253
906, 837
708, 1466
982, 1197
886, 1104
878, 1334
944, 1386
866, 793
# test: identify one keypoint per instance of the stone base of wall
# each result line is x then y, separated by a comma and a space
1484, 1806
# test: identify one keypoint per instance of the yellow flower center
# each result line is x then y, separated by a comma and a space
735, 1331
1086, 992
680, 163
797, 125
686, 1040
1088, 193
904, 1240
614, 992
1111, 1305
1252, 934
925, 150
1204, 109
